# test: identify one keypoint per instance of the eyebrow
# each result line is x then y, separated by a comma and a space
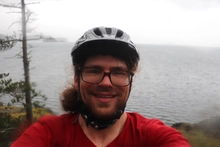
111, 68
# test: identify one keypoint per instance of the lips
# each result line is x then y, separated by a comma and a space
104, 96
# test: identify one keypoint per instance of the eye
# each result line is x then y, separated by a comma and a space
119, 73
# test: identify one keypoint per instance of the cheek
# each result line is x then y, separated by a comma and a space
125, 93
85, 90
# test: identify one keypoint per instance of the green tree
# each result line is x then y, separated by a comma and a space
7, 42
26, 15
11, 127
16, 92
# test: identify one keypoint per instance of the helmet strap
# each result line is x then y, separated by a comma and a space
96, 123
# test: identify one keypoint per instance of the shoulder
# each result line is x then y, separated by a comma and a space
145, 125
53, 118
156, 131
149, 125
54, 123
51, 124
46, 131
139, 119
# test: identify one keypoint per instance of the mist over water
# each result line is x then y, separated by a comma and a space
174, 84
178, 83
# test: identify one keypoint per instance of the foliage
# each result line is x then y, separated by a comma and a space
210, 126
13, 119
16, 91
8, 42
198, 138
13, 122
202, 134
7, 126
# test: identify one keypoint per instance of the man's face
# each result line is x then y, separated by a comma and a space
103, 99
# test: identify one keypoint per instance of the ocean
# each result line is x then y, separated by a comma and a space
173, 83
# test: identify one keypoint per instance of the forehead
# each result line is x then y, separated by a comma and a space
105, 61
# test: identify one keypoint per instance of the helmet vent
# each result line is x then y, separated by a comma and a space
97, 32
119, 34
108, 30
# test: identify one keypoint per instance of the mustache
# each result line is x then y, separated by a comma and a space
104, 89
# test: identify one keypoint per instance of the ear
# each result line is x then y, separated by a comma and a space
75, 81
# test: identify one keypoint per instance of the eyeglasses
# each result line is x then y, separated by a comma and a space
118, 78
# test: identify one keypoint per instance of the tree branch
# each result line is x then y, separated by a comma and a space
13, 24
3, 5
8, 129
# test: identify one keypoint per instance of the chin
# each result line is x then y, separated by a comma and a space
105, 111
104, 114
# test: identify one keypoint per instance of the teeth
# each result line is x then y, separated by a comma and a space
104, 96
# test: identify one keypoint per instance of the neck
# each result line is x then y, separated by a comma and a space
103, 137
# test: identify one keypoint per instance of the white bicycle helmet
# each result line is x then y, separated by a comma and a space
104, 33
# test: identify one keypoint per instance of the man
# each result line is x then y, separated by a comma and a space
104, 61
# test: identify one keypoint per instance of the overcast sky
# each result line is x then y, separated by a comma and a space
177, 22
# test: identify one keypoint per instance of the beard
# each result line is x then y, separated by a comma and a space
104, 112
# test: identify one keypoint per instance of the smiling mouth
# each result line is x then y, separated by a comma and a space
104, 96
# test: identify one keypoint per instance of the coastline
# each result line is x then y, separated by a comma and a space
205, 133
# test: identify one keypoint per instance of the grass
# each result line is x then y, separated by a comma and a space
198, 138
202, 134
12, 122
16, 112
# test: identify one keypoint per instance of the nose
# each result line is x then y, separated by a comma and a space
106, 80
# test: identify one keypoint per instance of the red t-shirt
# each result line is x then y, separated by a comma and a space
60, 131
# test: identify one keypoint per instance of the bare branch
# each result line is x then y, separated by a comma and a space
33, 3
28, 15
17, 55
13, 12
9, 6
7, 129
14, 23
15, 40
